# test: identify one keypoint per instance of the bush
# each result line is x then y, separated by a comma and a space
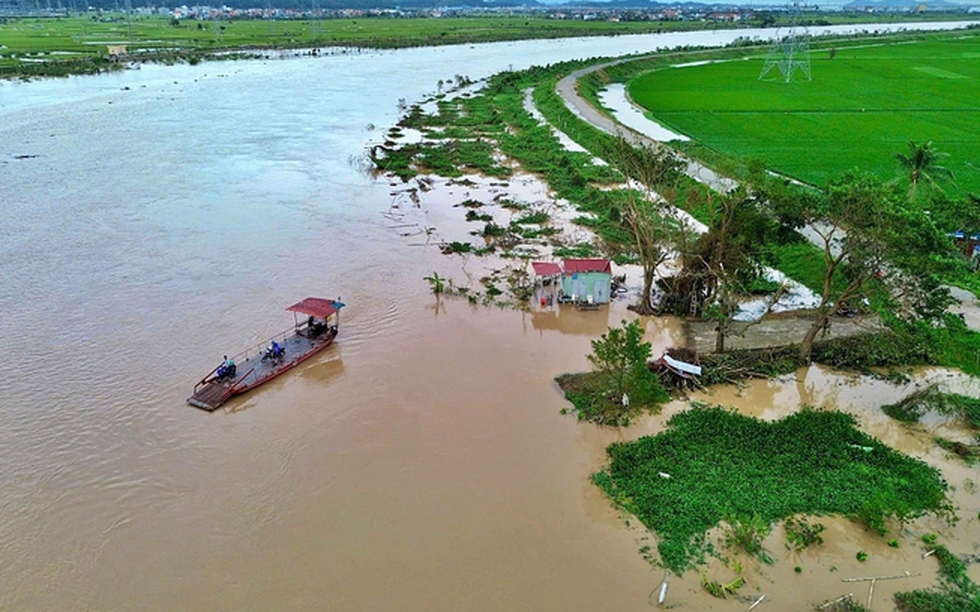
620, 385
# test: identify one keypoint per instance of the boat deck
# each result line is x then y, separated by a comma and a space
252, 371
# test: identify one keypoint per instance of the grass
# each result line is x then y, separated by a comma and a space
861, 108
712, 464
931, 398
591, 401
800, 534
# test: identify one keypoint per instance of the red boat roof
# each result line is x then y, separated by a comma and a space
545, 268
588, 265
320, 308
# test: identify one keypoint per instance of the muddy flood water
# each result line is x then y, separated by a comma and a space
154, 220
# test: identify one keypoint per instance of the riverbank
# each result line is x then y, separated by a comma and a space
32, 47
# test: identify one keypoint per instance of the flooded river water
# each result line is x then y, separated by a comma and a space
153, 220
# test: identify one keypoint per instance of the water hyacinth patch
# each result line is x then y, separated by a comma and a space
723, 464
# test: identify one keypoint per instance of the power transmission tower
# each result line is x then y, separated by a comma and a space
317, 19
129, 24
790, 52
218, 28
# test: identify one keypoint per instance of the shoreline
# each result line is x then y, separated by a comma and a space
840, 525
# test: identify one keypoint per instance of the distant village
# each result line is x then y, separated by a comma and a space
655, 12
687, 11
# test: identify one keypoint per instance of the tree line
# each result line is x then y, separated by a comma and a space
882, 242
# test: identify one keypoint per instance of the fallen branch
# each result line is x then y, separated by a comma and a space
827, 604
867, 578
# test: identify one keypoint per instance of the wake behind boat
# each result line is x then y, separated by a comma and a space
284, 351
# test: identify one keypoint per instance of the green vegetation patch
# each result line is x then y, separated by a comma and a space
77, 44
712, 464
862, 106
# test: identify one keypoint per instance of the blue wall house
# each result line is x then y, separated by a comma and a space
587, 280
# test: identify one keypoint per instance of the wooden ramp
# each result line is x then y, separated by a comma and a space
210, 396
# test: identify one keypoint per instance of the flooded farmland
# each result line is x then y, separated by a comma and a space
157, 219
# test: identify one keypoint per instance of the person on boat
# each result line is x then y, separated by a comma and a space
316, 327
227, 368
276, 349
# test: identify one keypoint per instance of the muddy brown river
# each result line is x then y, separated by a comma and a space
154, 220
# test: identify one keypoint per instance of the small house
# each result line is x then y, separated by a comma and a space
587, 280
579, 280
549, 271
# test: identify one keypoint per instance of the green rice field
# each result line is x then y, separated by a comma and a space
862, 106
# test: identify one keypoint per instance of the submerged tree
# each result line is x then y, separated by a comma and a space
620, 384
619, 358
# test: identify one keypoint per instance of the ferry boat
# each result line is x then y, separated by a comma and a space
261, 363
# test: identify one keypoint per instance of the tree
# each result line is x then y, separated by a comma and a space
722, 263
619, 357
951, 214
869, 237
921, 163
647, 216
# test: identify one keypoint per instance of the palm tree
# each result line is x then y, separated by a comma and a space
922, 165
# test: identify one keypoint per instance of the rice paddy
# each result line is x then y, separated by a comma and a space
862, 106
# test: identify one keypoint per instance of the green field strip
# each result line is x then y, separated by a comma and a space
860, 109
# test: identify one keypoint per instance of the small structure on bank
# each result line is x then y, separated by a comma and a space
678, 368
968, 244
586, 281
